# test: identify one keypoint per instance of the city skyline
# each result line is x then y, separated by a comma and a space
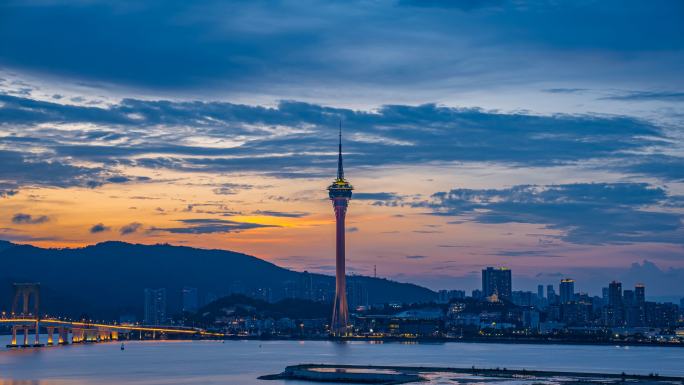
478, 134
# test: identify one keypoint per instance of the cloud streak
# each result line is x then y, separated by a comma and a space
210, 226
279, 141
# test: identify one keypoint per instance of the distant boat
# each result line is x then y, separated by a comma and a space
122, 346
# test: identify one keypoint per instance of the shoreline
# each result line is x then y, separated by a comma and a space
427, 340
441, 340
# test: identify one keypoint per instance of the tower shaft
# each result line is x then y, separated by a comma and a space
340, 317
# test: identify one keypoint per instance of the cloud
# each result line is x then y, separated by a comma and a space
293, 139
118, 179
565, 90
590, 213
527, 253
463, 5
209, 226
403, 45
99, 228
642, 96
663, 283
14, 235
18, 169
416, 257
126, 179
271, 213
8, 193
656, 165
231, 188
377, 196
28, 219
130, 228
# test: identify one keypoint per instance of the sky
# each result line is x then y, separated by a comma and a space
545, 136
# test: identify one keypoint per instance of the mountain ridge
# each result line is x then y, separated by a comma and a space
107, 279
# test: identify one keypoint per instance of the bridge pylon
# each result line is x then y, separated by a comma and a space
23, 294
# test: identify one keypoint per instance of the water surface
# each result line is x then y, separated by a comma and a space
241, 362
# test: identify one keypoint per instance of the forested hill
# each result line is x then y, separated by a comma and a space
107, 279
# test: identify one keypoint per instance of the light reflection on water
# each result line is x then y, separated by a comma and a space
241, 362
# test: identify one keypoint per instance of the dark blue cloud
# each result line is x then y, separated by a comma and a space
638, 96
655, 165
118, 179
130, 228
527, 253
250, 45
378, 196
209, 226
271, 213
18, 169
99, 228
591, 213
416, 257
28, 219
565, 90
464, 5
8, 193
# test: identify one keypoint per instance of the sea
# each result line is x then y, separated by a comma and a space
209, 362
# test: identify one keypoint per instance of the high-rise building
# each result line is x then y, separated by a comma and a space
550, 294
614, 313
567, 290
155, 306
628, 298
305, 286
497, 281
540, 292
640, 294
639, 311
340, 192
615, 294
190, 299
